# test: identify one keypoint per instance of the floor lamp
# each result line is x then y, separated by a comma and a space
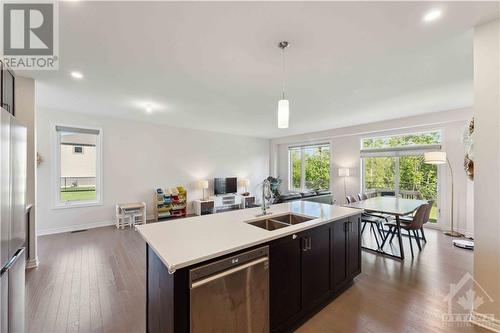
440, 158
344, 173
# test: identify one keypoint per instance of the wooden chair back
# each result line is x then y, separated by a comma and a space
428, 212
420, 217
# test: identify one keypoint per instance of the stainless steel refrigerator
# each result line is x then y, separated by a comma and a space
13, 155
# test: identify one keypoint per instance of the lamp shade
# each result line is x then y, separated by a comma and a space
283, 113
203, 184
245, 182
343, 172
435, 157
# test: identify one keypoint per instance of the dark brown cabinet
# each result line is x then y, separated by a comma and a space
345, 251
7, 89
339, 241
284, 279
311, 267
315, 265
354, 248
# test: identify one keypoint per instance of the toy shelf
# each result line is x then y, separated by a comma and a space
170, 202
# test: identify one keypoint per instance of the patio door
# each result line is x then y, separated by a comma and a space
402, 174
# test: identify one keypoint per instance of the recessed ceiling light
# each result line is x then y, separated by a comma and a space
149, 108
432, 15
77, 75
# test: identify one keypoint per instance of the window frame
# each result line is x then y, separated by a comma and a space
402, 148
56, 169
302, 164
78, 153
397, 153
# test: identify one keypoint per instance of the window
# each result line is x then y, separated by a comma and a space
309, 167
78, 167
394, 165
408, 140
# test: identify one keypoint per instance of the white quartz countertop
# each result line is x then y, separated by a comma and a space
183, 242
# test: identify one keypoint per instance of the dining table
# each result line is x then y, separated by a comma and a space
389, 205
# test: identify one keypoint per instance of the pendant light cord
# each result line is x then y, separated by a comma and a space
283, 68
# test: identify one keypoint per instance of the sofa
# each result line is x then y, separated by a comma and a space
321, 196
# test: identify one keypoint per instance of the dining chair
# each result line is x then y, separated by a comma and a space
411, 227
374, 221
408, 219
350, 199
362, 196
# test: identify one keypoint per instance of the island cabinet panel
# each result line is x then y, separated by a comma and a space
354, 251
315, 265
160, 295
284, 279
306, 271
339, 241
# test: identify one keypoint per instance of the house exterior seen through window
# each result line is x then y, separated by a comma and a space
78, 169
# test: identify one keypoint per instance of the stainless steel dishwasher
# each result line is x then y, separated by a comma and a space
231, 295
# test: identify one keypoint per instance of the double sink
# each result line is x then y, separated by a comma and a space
278, 222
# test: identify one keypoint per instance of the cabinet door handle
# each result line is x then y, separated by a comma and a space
304, 244
294, 236
310, 243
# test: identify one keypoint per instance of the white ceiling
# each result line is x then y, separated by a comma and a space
216, 66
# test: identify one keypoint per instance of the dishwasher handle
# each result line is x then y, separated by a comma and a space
228, 272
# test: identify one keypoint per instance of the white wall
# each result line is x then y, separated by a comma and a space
138, 158
487, 164
345, 143
25, 113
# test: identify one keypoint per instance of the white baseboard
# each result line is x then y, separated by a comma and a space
460, 230
32, 263
58, 230
485, 321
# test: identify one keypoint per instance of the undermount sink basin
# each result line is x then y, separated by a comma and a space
278, 222
291, 219
268, 224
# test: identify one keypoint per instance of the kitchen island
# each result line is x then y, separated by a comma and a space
283, 267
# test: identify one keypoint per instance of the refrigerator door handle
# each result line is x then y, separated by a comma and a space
12, 260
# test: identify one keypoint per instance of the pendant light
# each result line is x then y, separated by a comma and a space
283, 104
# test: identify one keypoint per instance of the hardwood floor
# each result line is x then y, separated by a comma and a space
94, 281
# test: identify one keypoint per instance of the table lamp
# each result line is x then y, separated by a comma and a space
245, 182
203, 184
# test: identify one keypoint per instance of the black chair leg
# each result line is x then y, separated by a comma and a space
386, 237
415, 233
411, 245
380, 228
372, 228
423, 234
363, 229
393, 234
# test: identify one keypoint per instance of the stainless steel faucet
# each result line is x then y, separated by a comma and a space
266, 195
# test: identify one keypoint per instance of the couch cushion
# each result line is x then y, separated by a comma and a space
323, 192
289, 197
307, 194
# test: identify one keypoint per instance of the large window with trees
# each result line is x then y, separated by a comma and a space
394, 165
309, 167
